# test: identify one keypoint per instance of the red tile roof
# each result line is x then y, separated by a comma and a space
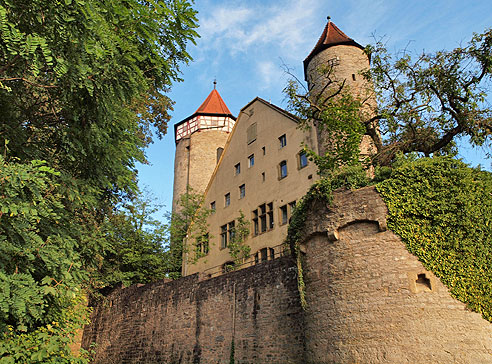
330, 37
213, 104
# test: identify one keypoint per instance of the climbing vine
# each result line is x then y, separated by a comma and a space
442, 210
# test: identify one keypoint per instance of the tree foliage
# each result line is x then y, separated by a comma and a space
82, 83
405, 105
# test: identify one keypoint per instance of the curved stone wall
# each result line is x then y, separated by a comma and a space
371, 301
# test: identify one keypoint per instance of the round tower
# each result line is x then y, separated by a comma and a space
337, 60
200, 139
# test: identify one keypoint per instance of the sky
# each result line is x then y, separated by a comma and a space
245, 45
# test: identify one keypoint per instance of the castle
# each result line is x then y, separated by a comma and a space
255, 164
368, 299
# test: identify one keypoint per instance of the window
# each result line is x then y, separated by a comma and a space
282, 171
263, 218
270, 215
242, 191
256, 230
251, 160
223, 236
237, 169
227, 199
272, 253
219, 153
202, 244
231, 231
302, 159
264, 150
283, 215
257, 258
212, 206
251, 133
263, 176
264, 254
227, 232
283, 141
286, 212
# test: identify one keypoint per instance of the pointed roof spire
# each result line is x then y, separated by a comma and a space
213, 104
330, 37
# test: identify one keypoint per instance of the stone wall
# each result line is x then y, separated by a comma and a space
192, 321
371, 301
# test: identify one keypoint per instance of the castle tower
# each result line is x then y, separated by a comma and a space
200, 139
343, 58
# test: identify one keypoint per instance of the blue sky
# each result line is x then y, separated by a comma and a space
244, 44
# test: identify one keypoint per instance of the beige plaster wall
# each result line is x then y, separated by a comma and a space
271, 124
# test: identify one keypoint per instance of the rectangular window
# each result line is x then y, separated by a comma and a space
270, 215
282, 141
223, 236
263, 176
264, 150
303, 161
256, 230
264, 254
263, 218
251, 133
292, 206
237, 169
251, 160
282, 169
283, 215
202, 244
242, 191
257, 258
272, 253
212, 206
227, 199
231, 231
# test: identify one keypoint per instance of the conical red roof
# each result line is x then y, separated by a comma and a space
213, 104
330, 37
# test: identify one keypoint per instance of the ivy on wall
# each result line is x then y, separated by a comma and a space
442, 211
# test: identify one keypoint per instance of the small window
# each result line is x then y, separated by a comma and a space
251, 133
263, 176
231, 231
283, 215
219, 153
264, 254
237, 169
283, 169
251, 160
223, 236
212, 206
272, 253
282, 141
303, 161
202, 244
263, 150
263, 218
270, 215
256, 229
257, 258
353, 76
227, 199
292, 207
242, 191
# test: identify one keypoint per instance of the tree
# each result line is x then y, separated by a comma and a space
136, 250
420, 105
82, 84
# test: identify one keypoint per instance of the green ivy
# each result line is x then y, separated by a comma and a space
442, 210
